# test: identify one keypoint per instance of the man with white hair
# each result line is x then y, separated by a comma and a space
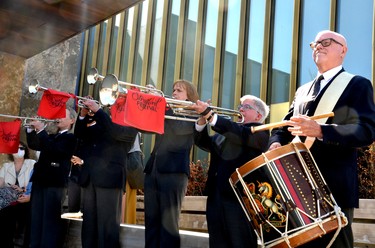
335, 142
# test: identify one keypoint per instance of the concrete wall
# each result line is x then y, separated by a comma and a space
55, 68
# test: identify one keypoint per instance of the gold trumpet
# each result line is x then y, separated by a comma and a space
34, 87
26, 120
111, 89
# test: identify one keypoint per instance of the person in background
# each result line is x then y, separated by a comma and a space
104, 149
167, 172
14, 219
230, 147
335, 142
74, 188
134, 180
50, 179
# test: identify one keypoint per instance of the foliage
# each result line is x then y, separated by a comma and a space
366, 172
198, 177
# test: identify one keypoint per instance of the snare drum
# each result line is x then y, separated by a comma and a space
286, 198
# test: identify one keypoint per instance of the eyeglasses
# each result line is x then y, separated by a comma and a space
246, 107
325, 43
22, 148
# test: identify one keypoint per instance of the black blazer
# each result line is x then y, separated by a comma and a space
52, 168
231, 147
104, 148
171, 152
353, 126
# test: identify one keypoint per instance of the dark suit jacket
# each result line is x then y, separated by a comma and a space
104, 149
53, 166
351, 127
172, 149
232, 146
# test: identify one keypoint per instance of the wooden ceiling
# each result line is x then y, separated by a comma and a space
28, 27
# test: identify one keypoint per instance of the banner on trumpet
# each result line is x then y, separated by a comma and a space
140, 110
53, 104
10, 136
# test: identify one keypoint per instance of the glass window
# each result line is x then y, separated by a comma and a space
189, 42
310, 27
171, 48
358, 32
156, 43
141, 44
230, 55
281, 52
129, 14
113, 46
209, 50
103, 35
90, 63
253, 63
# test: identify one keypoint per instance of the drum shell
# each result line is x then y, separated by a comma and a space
284, 186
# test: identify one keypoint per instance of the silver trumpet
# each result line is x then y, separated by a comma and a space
111, 89
34, 87
27, 120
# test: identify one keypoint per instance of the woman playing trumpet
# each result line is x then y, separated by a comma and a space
167, 173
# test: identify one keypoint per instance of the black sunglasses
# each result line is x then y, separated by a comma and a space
324, 43
22, 148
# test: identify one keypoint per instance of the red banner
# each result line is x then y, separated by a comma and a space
53, 104
10, 136
118, 110
145, 111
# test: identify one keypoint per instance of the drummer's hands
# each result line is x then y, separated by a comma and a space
274, 146
302, 125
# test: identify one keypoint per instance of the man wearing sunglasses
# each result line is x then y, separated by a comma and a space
232, 146
336, 139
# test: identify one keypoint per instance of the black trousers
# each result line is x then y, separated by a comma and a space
101, 217
46, 223
164, 193
227, 223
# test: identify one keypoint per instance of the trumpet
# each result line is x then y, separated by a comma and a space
184, 108
27, 120
111, 89
34, 87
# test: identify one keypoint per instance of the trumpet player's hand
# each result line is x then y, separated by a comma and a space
84, 112
92, 105
76, 160
38, 125
302, 125
200, 106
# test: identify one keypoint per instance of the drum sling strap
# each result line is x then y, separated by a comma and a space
329, 99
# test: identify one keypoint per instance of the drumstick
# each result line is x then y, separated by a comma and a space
283, 123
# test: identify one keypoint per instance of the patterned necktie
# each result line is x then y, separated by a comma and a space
316, 89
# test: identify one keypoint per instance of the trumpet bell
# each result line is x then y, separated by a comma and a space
92, 76
34, 86
109, 90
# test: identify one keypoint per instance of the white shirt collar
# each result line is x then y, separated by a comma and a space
328, 75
